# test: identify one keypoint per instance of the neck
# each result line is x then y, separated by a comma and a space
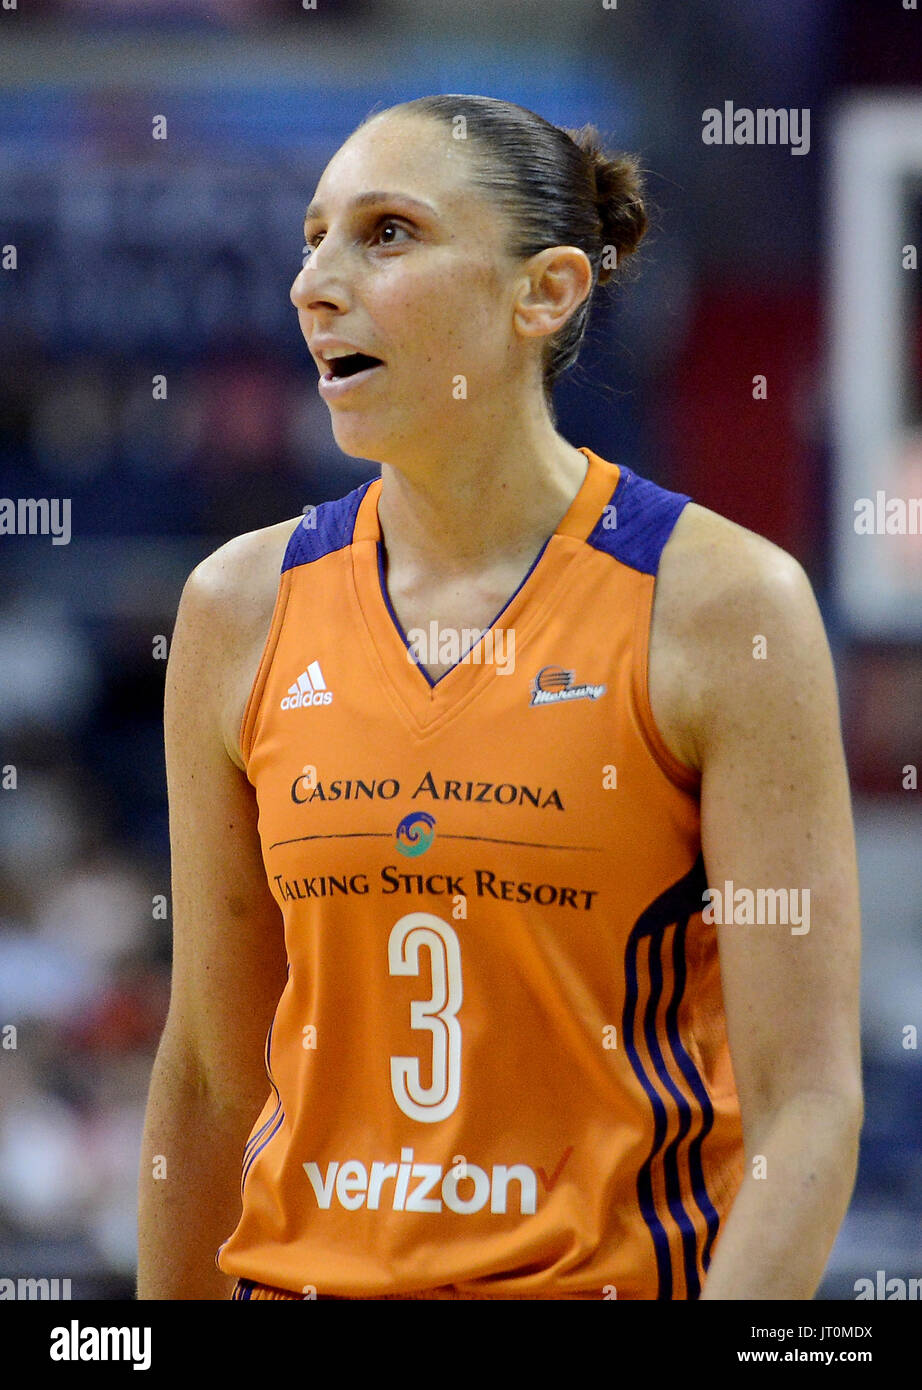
480, 500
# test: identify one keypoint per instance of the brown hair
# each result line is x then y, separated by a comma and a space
558, 187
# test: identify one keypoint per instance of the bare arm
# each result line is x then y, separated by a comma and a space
775, 807
209, 1080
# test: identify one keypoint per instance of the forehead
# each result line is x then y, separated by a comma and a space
414, 155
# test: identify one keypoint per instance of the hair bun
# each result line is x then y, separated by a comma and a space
619, 196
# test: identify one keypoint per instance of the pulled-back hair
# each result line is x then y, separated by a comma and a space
557, 187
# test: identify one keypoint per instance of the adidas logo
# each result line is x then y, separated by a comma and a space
309, 689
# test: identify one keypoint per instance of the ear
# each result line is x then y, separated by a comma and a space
556, 282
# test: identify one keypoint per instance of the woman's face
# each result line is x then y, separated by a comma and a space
408, 265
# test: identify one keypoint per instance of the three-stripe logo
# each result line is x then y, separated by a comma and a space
309, 689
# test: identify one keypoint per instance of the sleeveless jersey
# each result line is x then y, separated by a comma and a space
499, 1065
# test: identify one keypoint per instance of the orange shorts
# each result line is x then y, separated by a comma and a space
246, 1288
249, 1289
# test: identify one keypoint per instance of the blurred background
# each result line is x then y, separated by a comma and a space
125, 258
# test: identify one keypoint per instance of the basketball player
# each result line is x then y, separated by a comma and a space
511, 828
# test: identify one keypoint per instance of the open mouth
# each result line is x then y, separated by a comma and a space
351, 364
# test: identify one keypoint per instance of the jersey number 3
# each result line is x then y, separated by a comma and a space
435, 1015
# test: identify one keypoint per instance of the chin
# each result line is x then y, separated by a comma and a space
357, 440
363, 435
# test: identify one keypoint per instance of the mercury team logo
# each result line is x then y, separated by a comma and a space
553, 684
309, 689
415, 833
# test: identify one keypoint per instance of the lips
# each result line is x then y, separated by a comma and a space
339, 358
351, 364
331, 385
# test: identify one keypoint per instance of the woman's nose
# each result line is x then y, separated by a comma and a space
317, 283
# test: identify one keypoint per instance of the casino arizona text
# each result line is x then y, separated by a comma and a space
304, 791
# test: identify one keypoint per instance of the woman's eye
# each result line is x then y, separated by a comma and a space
383, 233
388, 225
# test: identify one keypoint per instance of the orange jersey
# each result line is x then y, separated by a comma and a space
499, 1066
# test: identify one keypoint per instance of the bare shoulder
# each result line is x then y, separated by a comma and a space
234, 580
726, 599
710, 561
224, 618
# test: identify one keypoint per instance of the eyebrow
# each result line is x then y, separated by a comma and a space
315, 210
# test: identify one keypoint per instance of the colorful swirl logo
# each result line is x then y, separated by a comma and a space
415, 833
